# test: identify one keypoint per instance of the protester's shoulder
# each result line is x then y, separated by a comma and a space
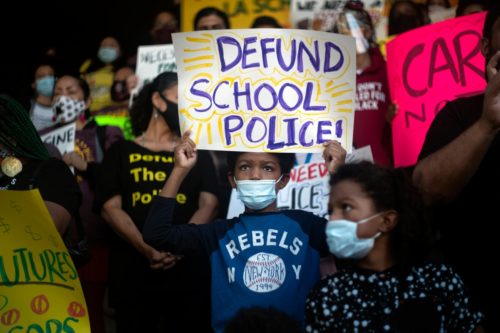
204, 157
113, 130
53, 164
122, 145
336, 280
302, 215
472, 105
434, 269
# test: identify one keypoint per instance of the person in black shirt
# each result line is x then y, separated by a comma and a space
153, 290
458, 173
26, 164
387, 279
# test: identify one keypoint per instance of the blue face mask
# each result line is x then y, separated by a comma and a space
343, 241
107, 54
45, 85
257, 194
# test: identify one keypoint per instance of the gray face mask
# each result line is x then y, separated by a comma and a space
343, 241
257, 194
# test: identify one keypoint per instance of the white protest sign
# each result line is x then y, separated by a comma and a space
315, 14
322, 14
151, 61
63, 138
271, 90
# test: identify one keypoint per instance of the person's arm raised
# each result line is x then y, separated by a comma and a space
185, 159
443, 174
334, 155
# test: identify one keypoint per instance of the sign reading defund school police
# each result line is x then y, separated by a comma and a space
270, 90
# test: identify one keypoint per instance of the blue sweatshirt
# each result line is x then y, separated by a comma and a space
256, 259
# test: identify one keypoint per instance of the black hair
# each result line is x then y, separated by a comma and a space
207, 11
286, 161
84, 86
463, 4
391, 189
406, 25
85, 89
142, 107
358, 8
489, 22
263, 320
265, 20
96, 63
446, 3
17, 133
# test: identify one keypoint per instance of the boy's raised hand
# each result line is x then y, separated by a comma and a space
185, 152
334, 155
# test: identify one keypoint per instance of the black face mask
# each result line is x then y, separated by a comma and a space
119, 91
171, 116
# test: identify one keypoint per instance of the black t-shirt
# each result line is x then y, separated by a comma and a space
52, 178
138, 175
467, 225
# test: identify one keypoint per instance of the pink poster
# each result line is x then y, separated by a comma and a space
428, 67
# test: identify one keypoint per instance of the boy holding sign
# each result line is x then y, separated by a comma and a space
264, 257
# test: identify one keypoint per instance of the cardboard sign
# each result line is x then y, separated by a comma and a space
39, 286
63, 138
270, 90
322, 14
428, 67
151, 61
241, 13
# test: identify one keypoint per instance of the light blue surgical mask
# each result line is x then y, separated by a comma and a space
343, 241
257, 194
45, 85
107, 54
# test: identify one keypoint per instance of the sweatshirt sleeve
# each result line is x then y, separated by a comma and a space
160, 233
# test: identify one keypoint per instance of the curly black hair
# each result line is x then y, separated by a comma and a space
391, 189
207, 11
142, 108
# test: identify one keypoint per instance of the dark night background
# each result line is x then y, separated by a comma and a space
74, 28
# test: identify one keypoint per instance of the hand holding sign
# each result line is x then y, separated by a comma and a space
185, 153
334, 155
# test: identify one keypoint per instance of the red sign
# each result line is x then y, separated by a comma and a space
428, 67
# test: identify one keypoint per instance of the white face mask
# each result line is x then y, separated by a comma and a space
343, 241
67, 109
257, 194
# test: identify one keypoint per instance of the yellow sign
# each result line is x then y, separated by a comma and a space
241, 13
39, 286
